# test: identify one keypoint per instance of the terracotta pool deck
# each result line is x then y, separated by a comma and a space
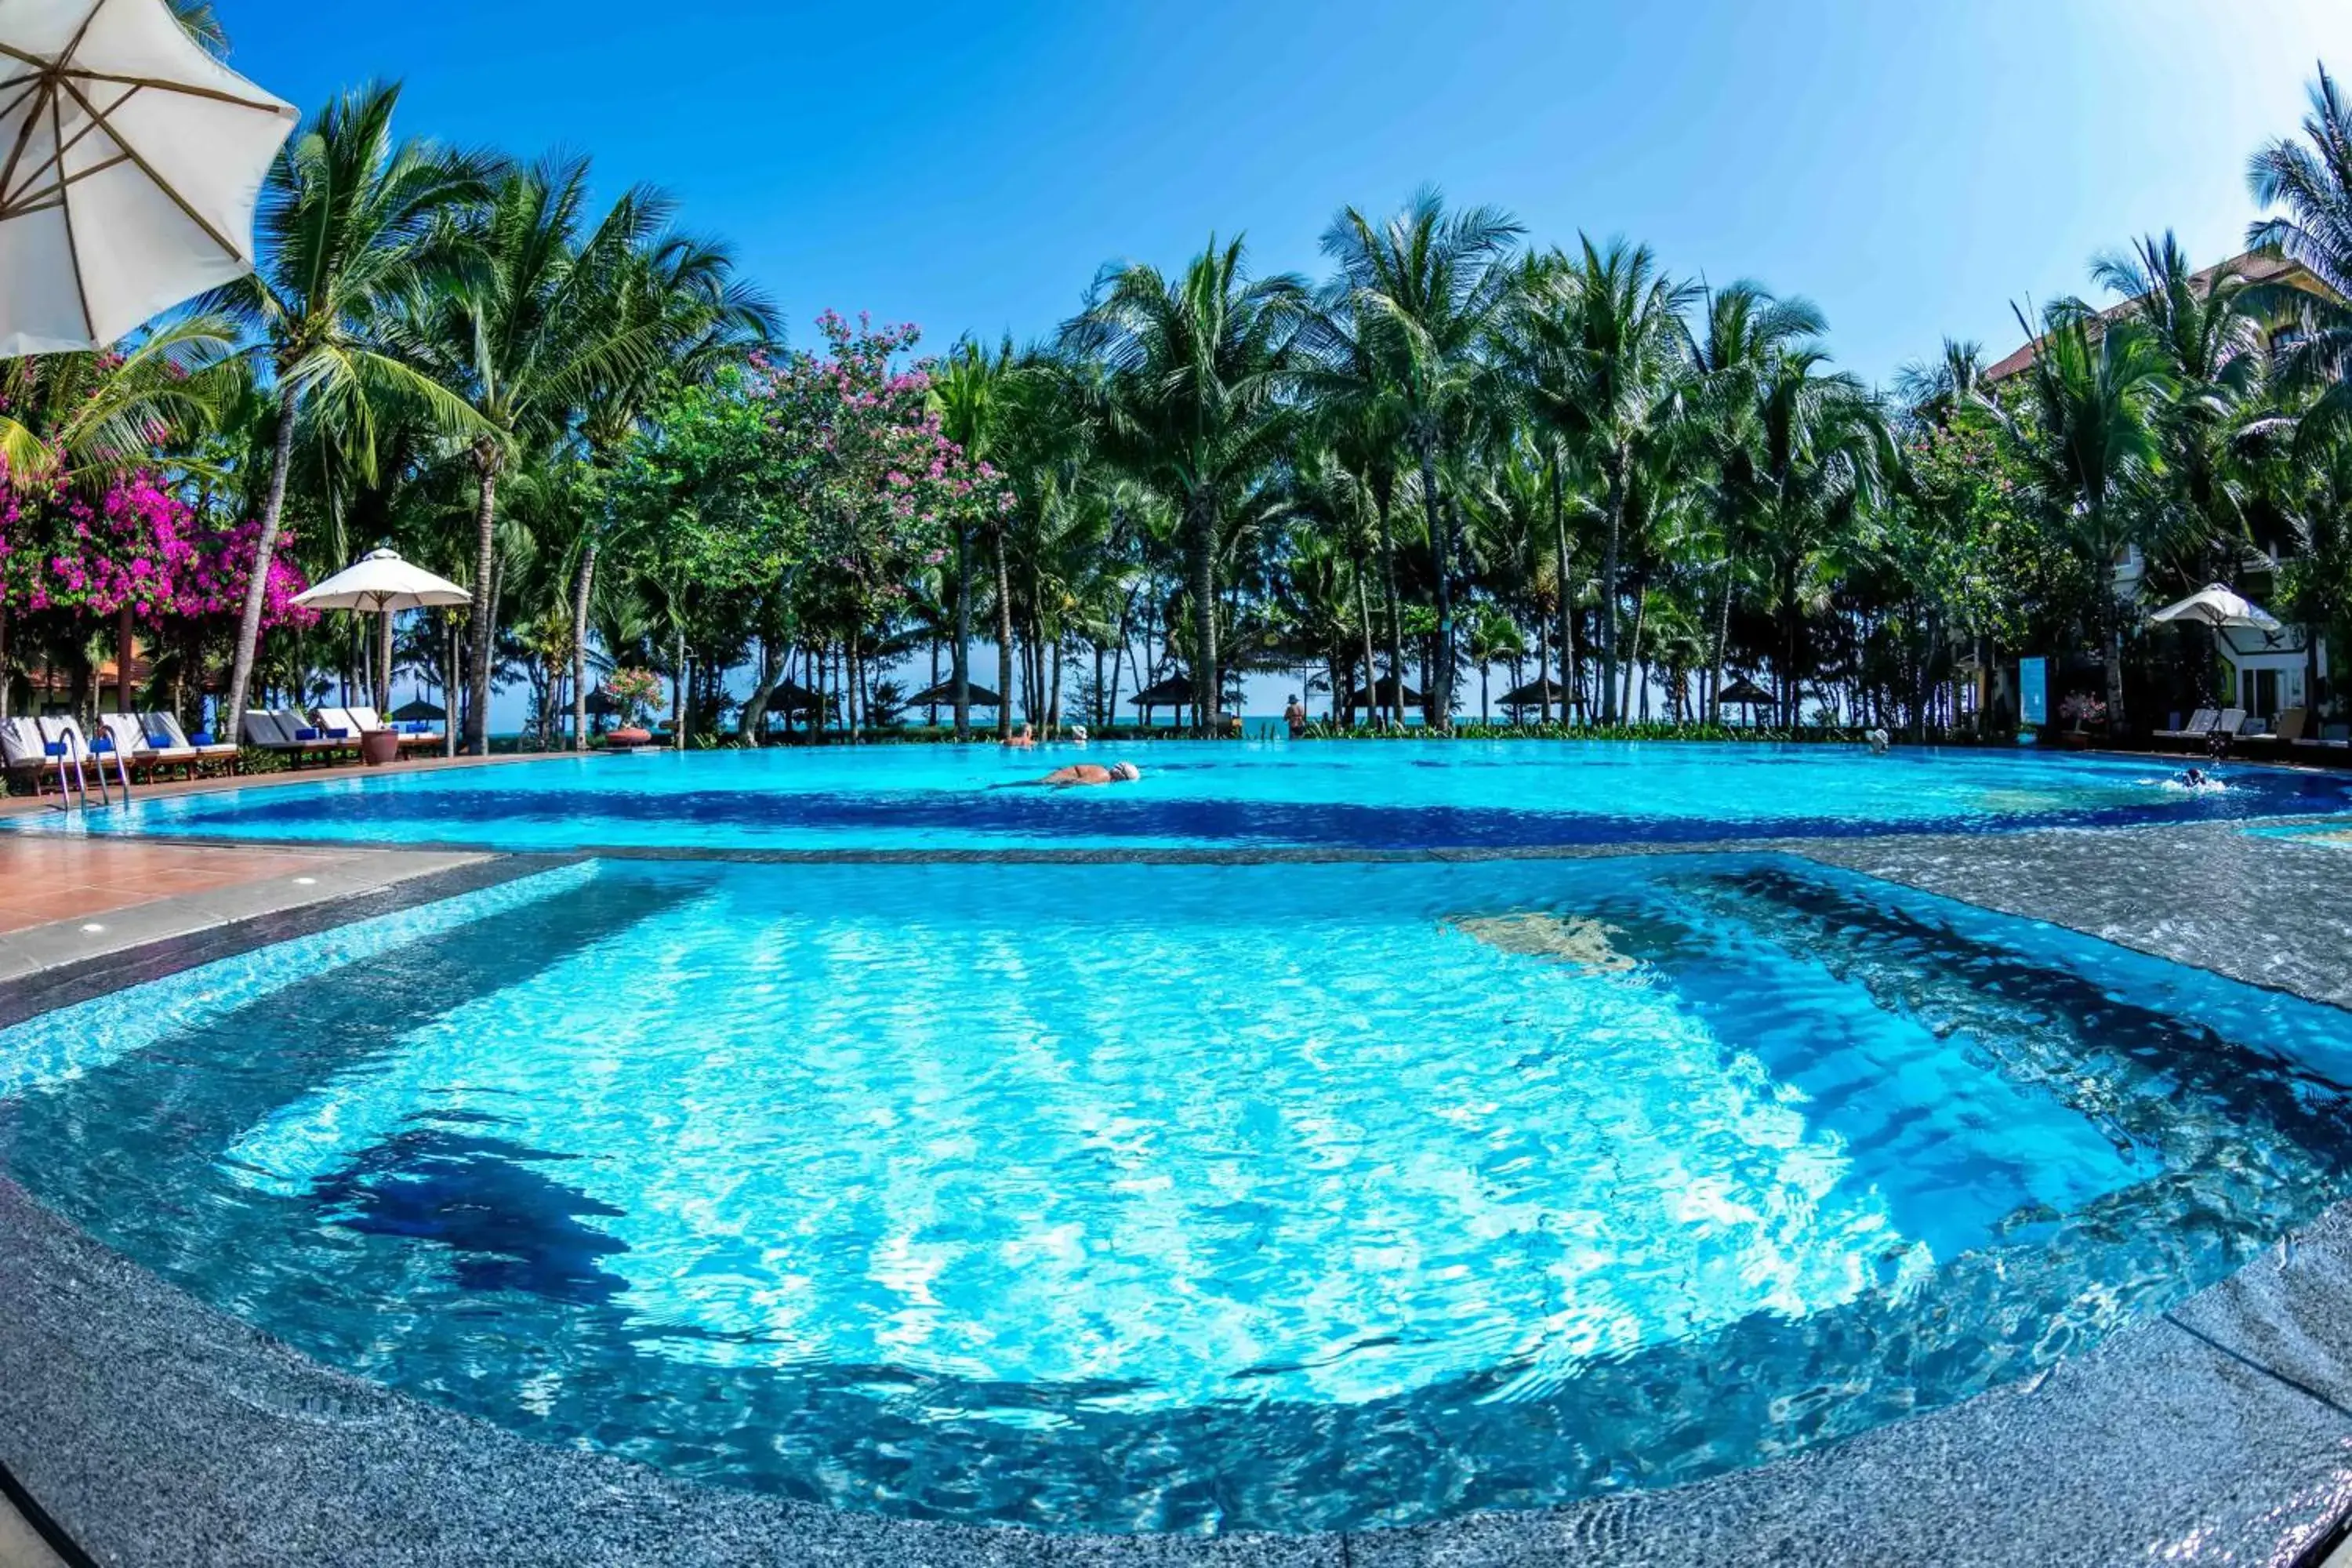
65, 898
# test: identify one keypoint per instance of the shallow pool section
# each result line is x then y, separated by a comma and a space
1187, 1198
1330, 796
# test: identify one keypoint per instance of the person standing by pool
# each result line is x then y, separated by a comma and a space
1294, 716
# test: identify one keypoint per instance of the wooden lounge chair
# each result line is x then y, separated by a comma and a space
368, 721
26, 754
333, 743
163, 731
147, 753
293, 735
264, 733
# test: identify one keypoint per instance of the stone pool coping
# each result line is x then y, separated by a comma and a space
2221, 1431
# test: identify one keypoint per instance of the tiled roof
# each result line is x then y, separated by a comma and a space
2254, 266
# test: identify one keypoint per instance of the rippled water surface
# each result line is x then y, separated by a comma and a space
1146, 1197
1323, 795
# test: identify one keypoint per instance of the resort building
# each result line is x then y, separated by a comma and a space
2264, 673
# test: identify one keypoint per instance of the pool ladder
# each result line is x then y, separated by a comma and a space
68, 749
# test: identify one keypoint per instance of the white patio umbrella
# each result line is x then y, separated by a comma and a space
131, 162
2217, 606
382, 583
2212, 605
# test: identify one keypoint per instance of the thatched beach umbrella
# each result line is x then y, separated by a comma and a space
1385, 693
1745, 693
1535, 694
943, 693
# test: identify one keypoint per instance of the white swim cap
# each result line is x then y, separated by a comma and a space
1126, 771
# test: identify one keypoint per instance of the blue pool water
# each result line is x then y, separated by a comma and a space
1143, 1197
1346, 795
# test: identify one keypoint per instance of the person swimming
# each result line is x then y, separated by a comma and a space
1080, 773
1020, 739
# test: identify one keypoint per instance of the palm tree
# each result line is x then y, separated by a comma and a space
531, 339
968, 391
81, 419
1821, 448
1605, 336
352, 224
1197, 366
1748, 334
701, 318
2312, 180
201, 22
2087, 433
1930, 392
2210, 343
1425, 293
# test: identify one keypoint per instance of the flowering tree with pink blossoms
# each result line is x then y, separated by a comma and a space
134, 555
862, 459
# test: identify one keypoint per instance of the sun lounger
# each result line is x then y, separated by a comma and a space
138, 747
318, 737
267, 733
2332, 737
2291, 725
164, 734
2200, 724
367, 721
26, 752
295, 737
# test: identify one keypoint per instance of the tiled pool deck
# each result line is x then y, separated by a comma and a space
154, 1429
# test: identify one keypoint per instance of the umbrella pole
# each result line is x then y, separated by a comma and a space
384, 663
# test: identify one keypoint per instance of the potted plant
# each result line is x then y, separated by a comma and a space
2081, 710
634, 692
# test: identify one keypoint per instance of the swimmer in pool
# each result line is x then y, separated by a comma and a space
1080, 773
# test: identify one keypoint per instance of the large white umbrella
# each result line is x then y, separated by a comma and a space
2212, 605
382, 583
131, 162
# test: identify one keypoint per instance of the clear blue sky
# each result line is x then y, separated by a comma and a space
1913, 167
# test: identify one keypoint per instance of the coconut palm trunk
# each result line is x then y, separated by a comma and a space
1609, 568
487, 466
963, 633
1391, 709
1200, 567
1439, 708
256, 588
580, 591
1005, 670
1722, 642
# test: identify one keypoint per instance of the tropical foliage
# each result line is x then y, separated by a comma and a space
1465, 472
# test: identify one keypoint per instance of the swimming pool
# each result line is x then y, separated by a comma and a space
1187, 1198
1333, 795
